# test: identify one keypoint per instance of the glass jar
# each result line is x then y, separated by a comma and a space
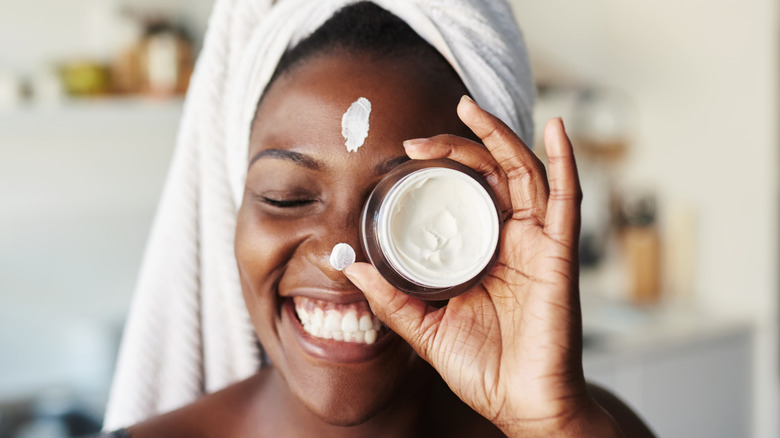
432, 228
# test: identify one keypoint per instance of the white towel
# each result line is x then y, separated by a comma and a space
188, 331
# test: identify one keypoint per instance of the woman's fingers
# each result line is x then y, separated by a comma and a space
410, 317
525, 173
562, 221
468, 153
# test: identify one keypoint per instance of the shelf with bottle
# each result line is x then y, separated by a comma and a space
146, 70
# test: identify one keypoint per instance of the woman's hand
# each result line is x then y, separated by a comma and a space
510, 347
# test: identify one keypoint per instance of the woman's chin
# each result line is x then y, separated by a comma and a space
344, 383
341, 383
345, 418
341, 397
355, 394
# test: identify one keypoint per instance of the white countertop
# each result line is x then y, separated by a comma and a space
611, 327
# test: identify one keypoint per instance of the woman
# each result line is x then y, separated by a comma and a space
503, 358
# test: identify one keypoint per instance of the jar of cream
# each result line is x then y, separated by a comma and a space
431, 228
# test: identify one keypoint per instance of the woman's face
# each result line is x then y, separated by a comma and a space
304, 193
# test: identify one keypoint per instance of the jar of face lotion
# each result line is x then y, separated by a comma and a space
431, 228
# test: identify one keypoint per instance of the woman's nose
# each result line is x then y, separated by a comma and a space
340, 226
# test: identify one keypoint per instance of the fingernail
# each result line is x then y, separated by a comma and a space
414, 141
467, 98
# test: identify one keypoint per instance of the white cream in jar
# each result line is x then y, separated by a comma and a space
432, 228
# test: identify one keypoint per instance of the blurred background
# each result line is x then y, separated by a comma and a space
673, 107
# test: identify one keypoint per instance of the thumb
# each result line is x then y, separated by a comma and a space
411, 318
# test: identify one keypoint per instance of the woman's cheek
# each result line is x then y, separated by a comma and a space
264, 246
257, 240
256, 251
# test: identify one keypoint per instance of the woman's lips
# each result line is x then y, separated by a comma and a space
335, 318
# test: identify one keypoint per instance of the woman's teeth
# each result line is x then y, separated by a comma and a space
347, 323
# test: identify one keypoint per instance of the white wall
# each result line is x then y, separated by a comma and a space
78, 189
703, 75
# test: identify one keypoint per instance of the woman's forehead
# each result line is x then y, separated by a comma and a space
308, 104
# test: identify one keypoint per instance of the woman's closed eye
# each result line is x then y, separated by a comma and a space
286, 200
279, 202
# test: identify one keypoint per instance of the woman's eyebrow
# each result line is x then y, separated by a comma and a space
387, 166
295, 157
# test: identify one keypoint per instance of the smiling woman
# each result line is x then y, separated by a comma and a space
348, 354
295, 211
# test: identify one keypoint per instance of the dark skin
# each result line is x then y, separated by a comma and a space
304, 192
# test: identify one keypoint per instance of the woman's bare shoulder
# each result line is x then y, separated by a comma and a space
219, 414
628, 420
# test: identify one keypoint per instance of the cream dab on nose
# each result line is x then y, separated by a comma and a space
342, 256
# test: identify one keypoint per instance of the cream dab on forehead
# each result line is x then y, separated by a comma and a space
354, 124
